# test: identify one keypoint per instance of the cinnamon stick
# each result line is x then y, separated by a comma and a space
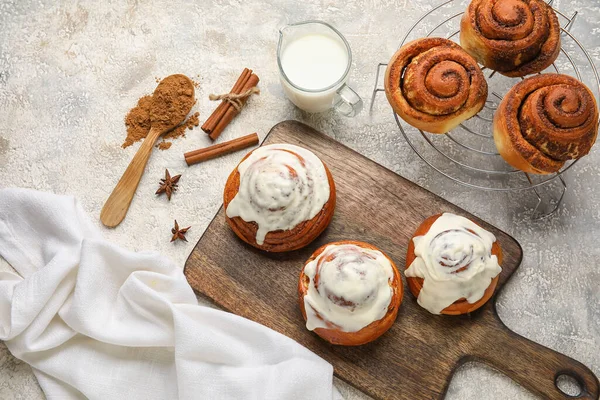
231, 112
196, 156
216, 116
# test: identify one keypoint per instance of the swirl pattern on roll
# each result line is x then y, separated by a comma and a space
350, 287
454, 259
513, 37
434, 85
281, 187
544, 121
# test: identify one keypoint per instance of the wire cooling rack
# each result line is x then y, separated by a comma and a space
467, 155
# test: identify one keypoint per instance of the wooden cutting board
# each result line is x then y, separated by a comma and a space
416, 358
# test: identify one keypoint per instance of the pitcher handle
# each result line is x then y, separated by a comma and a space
347, 101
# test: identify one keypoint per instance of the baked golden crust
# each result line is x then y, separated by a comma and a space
434, 85
370, 332
544, 121
460, 306
279, 241
514, 37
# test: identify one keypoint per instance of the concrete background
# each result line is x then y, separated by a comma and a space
69, 73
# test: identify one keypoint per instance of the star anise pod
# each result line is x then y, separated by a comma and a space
179, 233
168, 185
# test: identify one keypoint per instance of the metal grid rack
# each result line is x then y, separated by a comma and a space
467, 155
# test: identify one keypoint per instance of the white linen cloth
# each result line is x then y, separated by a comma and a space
97, 321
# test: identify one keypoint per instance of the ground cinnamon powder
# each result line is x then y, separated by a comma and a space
137, 121
193, 121
171, 101
189, 123
164, 145
163, 108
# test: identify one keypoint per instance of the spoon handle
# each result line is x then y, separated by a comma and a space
118, 202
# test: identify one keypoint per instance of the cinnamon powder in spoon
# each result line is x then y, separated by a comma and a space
174, 99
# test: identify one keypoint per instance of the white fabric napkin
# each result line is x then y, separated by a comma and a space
97, 321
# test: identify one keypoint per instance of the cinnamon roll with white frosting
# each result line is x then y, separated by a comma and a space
279, 198
452, 265
349, 293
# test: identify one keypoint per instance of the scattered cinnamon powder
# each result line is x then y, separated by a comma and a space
193, 121
174, 134
137, 121
189, 123
174, 98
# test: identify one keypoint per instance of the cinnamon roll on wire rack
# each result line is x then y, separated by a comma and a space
544, 121
434, 85
514, 37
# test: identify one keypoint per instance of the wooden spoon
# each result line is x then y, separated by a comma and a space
171, 102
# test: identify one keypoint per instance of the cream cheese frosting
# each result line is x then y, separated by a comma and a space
455, 260
349, 288
281, 185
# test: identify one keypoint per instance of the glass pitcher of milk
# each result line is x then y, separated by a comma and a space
314, 60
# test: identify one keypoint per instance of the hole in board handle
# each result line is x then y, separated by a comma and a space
569, 384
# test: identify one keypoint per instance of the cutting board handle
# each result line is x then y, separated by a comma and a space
530, 364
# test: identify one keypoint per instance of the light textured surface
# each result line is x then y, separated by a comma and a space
70, 72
